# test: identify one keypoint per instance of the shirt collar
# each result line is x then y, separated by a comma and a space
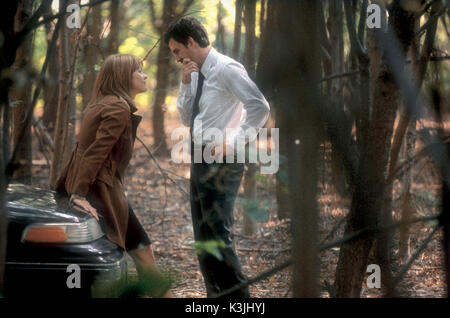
209, 63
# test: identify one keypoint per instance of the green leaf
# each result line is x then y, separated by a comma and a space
211, 247
255, 210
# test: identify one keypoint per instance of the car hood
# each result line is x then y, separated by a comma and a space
29, 204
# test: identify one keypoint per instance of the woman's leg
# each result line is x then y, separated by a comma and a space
145, 263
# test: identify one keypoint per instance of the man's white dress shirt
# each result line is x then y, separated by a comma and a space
230, 100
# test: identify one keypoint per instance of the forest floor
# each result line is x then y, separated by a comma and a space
165, 214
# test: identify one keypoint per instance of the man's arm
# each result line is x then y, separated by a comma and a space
237, 82
185, 102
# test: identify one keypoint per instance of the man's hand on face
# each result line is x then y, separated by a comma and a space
187, 68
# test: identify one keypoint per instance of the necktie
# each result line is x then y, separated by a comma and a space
196, 109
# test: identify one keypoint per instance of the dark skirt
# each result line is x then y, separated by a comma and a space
135, 235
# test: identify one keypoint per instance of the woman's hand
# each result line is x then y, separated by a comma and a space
80, 203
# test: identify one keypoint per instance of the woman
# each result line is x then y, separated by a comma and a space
94, 174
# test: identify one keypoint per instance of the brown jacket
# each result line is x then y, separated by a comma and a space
97, 165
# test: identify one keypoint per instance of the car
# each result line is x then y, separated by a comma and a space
53, 250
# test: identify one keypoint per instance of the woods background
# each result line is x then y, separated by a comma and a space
362, 115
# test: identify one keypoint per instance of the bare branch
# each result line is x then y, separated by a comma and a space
425, 9
326, 44
187, 5
153, 15
267, 273
439, 58
431, 20
406, 267
340, 75
33, 21
362, 21
150, 51
9, 170
160, 169
60, 14
356, 45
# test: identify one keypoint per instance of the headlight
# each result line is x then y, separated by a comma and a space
62, 232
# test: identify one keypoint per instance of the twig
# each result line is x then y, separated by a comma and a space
60, 14
334, 229
355, 44
150, 51
345, 74
405, 268
74, 60
41, 146
425, 9
264, 250
10, 166
265, 274
439, 58
104, 29
43, 131
160, 169
159, 40
338, 242
430, 21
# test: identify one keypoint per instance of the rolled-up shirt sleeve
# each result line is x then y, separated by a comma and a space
238, 83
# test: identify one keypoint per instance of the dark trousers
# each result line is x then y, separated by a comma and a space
214, 188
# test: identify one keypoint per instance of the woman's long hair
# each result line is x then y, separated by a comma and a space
115, 76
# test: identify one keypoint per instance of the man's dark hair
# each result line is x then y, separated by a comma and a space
180, 30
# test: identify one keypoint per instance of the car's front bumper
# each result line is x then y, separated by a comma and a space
63, 279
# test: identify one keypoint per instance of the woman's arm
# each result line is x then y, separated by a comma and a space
81, 204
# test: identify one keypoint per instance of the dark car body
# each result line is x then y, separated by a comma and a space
45, 269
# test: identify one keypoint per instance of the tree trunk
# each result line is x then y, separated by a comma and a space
116, 18
63, 128
262, 17
367, 208
367, 201
162, 82
446, 224
91, 53
304, 140
268, 79
3, 220
51, 86
237, 29
221, 34
336, 31
408, 179
21, 97
403, 25
249, 63
7, 56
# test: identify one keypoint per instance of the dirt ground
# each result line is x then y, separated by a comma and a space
165, 213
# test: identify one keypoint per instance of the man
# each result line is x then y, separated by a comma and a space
215, 92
